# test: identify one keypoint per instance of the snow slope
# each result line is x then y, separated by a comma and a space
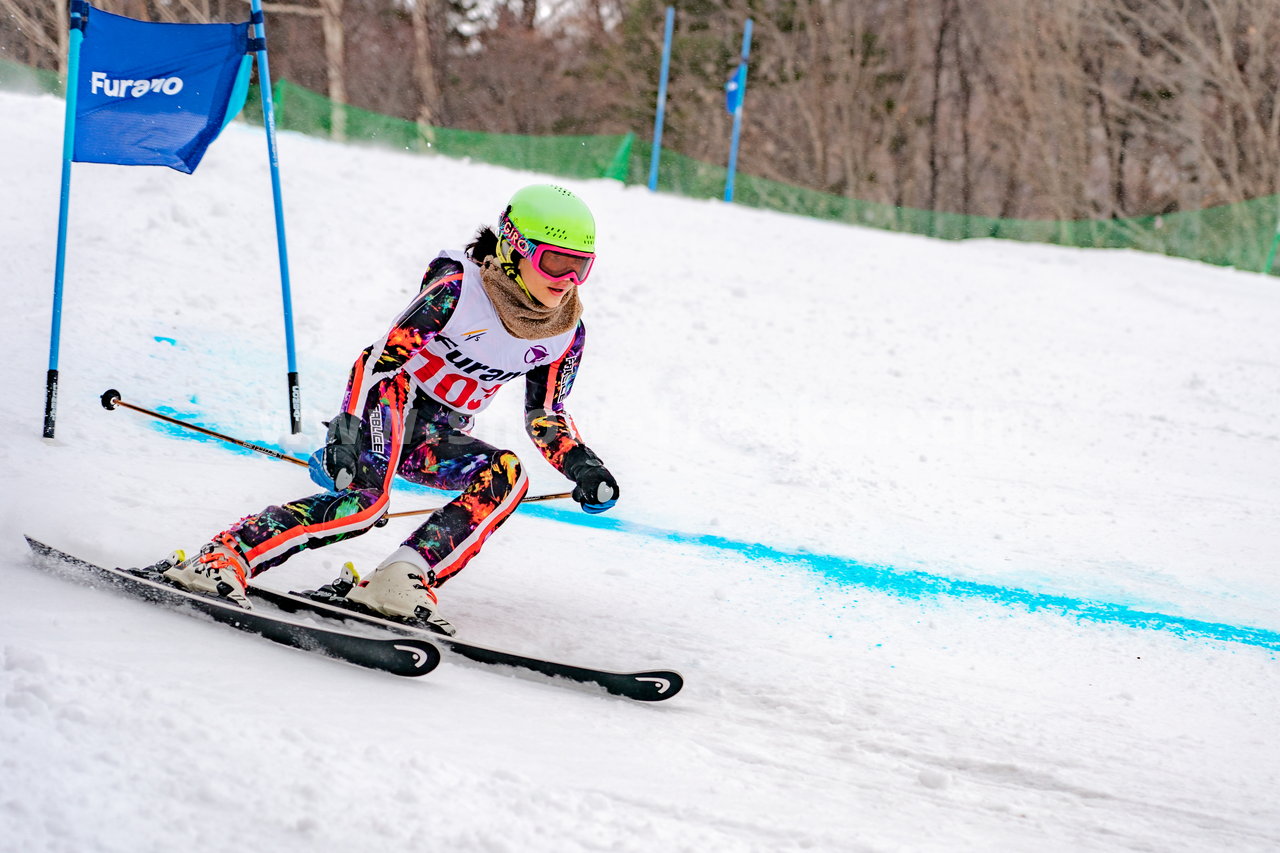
959, 546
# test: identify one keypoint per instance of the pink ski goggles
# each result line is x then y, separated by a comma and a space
555, 262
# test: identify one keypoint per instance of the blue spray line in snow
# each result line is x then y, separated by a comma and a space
906, 584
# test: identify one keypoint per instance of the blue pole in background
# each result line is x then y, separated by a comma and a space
269, 120
78, 23
737, 111
662, 101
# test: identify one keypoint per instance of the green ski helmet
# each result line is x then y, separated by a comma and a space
551, 227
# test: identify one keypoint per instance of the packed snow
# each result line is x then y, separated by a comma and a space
958, 546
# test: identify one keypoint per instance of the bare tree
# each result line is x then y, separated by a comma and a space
335, 64
424, 71
37, 32
1060, 109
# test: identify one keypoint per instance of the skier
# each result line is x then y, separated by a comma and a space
506, 307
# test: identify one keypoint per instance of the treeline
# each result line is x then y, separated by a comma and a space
1039, 109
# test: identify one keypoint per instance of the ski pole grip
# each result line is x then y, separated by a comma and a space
110, 398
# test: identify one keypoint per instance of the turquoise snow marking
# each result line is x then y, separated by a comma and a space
175, 431
918, 585
843, 570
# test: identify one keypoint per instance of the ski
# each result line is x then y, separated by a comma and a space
648, 686
408, 656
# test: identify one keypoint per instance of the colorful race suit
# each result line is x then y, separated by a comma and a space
416, 391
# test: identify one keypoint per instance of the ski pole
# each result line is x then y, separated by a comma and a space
528, 500
111, 399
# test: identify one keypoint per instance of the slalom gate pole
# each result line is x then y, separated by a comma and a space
258, 21
737, 113
656, 155
111, 399
79, 13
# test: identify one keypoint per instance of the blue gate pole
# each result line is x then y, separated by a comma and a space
737, 112
269, 119
662, 101
60, 267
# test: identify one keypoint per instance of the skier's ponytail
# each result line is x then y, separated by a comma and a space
485, 245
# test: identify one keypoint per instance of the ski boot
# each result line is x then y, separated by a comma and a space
219, 569
400, 589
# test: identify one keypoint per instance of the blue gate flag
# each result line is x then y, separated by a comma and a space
733, 89
157, 94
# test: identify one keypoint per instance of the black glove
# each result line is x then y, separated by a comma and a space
596, 490
342, 449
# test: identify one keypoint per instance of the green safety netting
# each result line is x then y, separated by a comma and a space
305, 111
16, 77
1237, 235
